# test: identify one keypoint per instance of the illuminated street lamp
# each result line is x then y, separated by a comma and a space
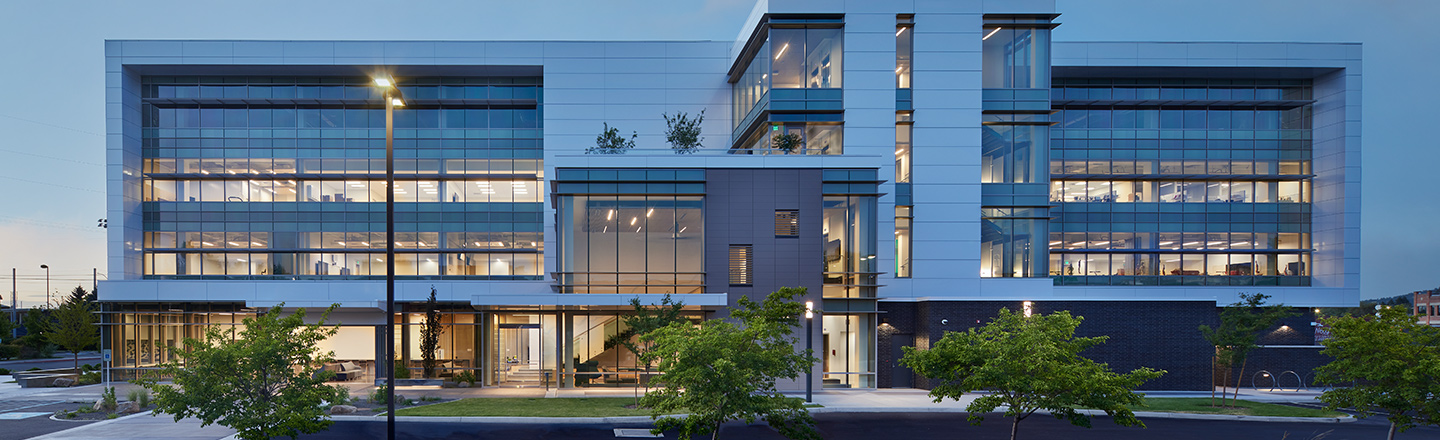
809, 346
392, 98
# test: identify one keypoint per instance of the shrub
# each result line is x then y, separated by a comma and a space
89, 378
4, 371
378, 395
611, 142
400, 371
8, 351
107, 399
342, 395
465, 376
683, 133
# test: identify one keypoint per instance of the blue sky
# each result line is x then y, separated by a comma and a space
53, 148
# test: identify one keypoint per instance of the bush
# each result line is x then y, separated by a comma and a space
465, 376
89, 378
378, 396
8, 351
140, 396
4, 371
88, 367
343, 395
400, 371
107, 399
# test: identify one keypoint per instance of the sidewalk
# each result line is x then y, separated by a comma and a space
142, 426
145, 427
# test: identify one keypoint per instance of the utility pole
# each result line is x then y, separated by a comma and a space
94, 281
14, 330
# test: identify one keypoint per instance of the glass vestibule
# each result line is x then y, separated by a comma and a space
848, 351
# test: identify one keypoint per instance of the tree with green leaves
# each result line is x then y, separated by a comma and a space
1028, 364
683, 133
786, 142
1238, 334
1392, 362
75, 325
640, 323
430, 335
720, 370
268, 382
611, 142
38, 324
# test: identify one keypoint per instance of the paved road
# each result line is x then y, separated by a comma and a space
911, 426
19, 418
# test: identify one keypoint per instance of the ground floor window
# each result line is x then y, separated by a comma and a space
848, 351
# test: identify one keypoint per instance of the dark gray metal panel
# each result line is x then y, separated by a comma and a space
740, 207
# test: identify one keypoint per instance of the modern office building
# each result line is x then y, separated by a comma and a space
915, 165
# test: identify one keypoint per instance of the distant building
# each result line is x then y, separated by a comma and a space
1427, 306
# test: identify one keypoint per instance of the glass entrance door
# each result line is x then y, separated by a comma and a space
522, 350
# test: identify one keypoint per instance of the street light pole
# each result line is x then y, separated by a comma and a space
47, 284
810, 347
392, 98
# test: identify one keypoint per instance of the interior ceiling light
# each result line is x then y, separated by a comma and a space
991, 34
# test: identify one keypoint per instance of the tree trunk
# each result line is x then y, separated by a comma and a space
1212, 380
1235, 400
1014, 426
715, 435
1391, 435
77, 360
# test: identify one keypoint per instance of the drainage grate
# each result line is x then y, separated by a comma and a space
635, 433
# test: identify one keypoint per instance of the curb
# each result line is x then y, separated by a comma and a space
822, 410
512, 420
58, 434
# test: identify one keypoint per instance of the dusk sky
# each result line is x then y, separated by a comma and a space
51, 160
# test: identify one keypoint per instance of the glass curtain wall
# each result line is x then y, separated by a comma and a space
1168, 181
631, 244
293, 188
1015, 146
848, 355
849, 236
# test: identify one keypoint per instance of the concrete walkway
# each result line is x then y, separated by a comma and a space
145, 427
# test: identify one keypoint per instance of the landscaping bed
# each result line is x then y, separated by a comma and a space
375, 403
1201, 405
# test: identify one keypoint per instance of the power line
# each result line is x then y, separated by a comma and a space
66, 226
51, 125
54, 184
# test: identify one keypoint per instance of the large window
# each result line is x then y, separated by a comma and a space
1013, 150
849, 241
1011, 246
904, 217
631, 244
848, 354
1015, 58
790, 58
805, 138
904, 50
806, 58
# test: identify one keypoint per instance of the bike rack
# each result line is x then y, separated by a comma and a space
1265, 373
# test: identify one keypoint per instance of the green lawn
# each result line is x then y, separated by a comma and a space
1201, 405
532, 407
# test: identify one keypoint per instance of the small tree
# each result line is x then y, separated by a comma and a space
719, 371
1240, 326
1028, 364
683, 133
75, 327
611, 142
1393, 362
642, 322
787, 142
267, 383
430, 335
38, 324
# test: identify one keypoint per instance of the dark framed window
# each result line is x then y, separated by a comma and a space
787, 223
742, 264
